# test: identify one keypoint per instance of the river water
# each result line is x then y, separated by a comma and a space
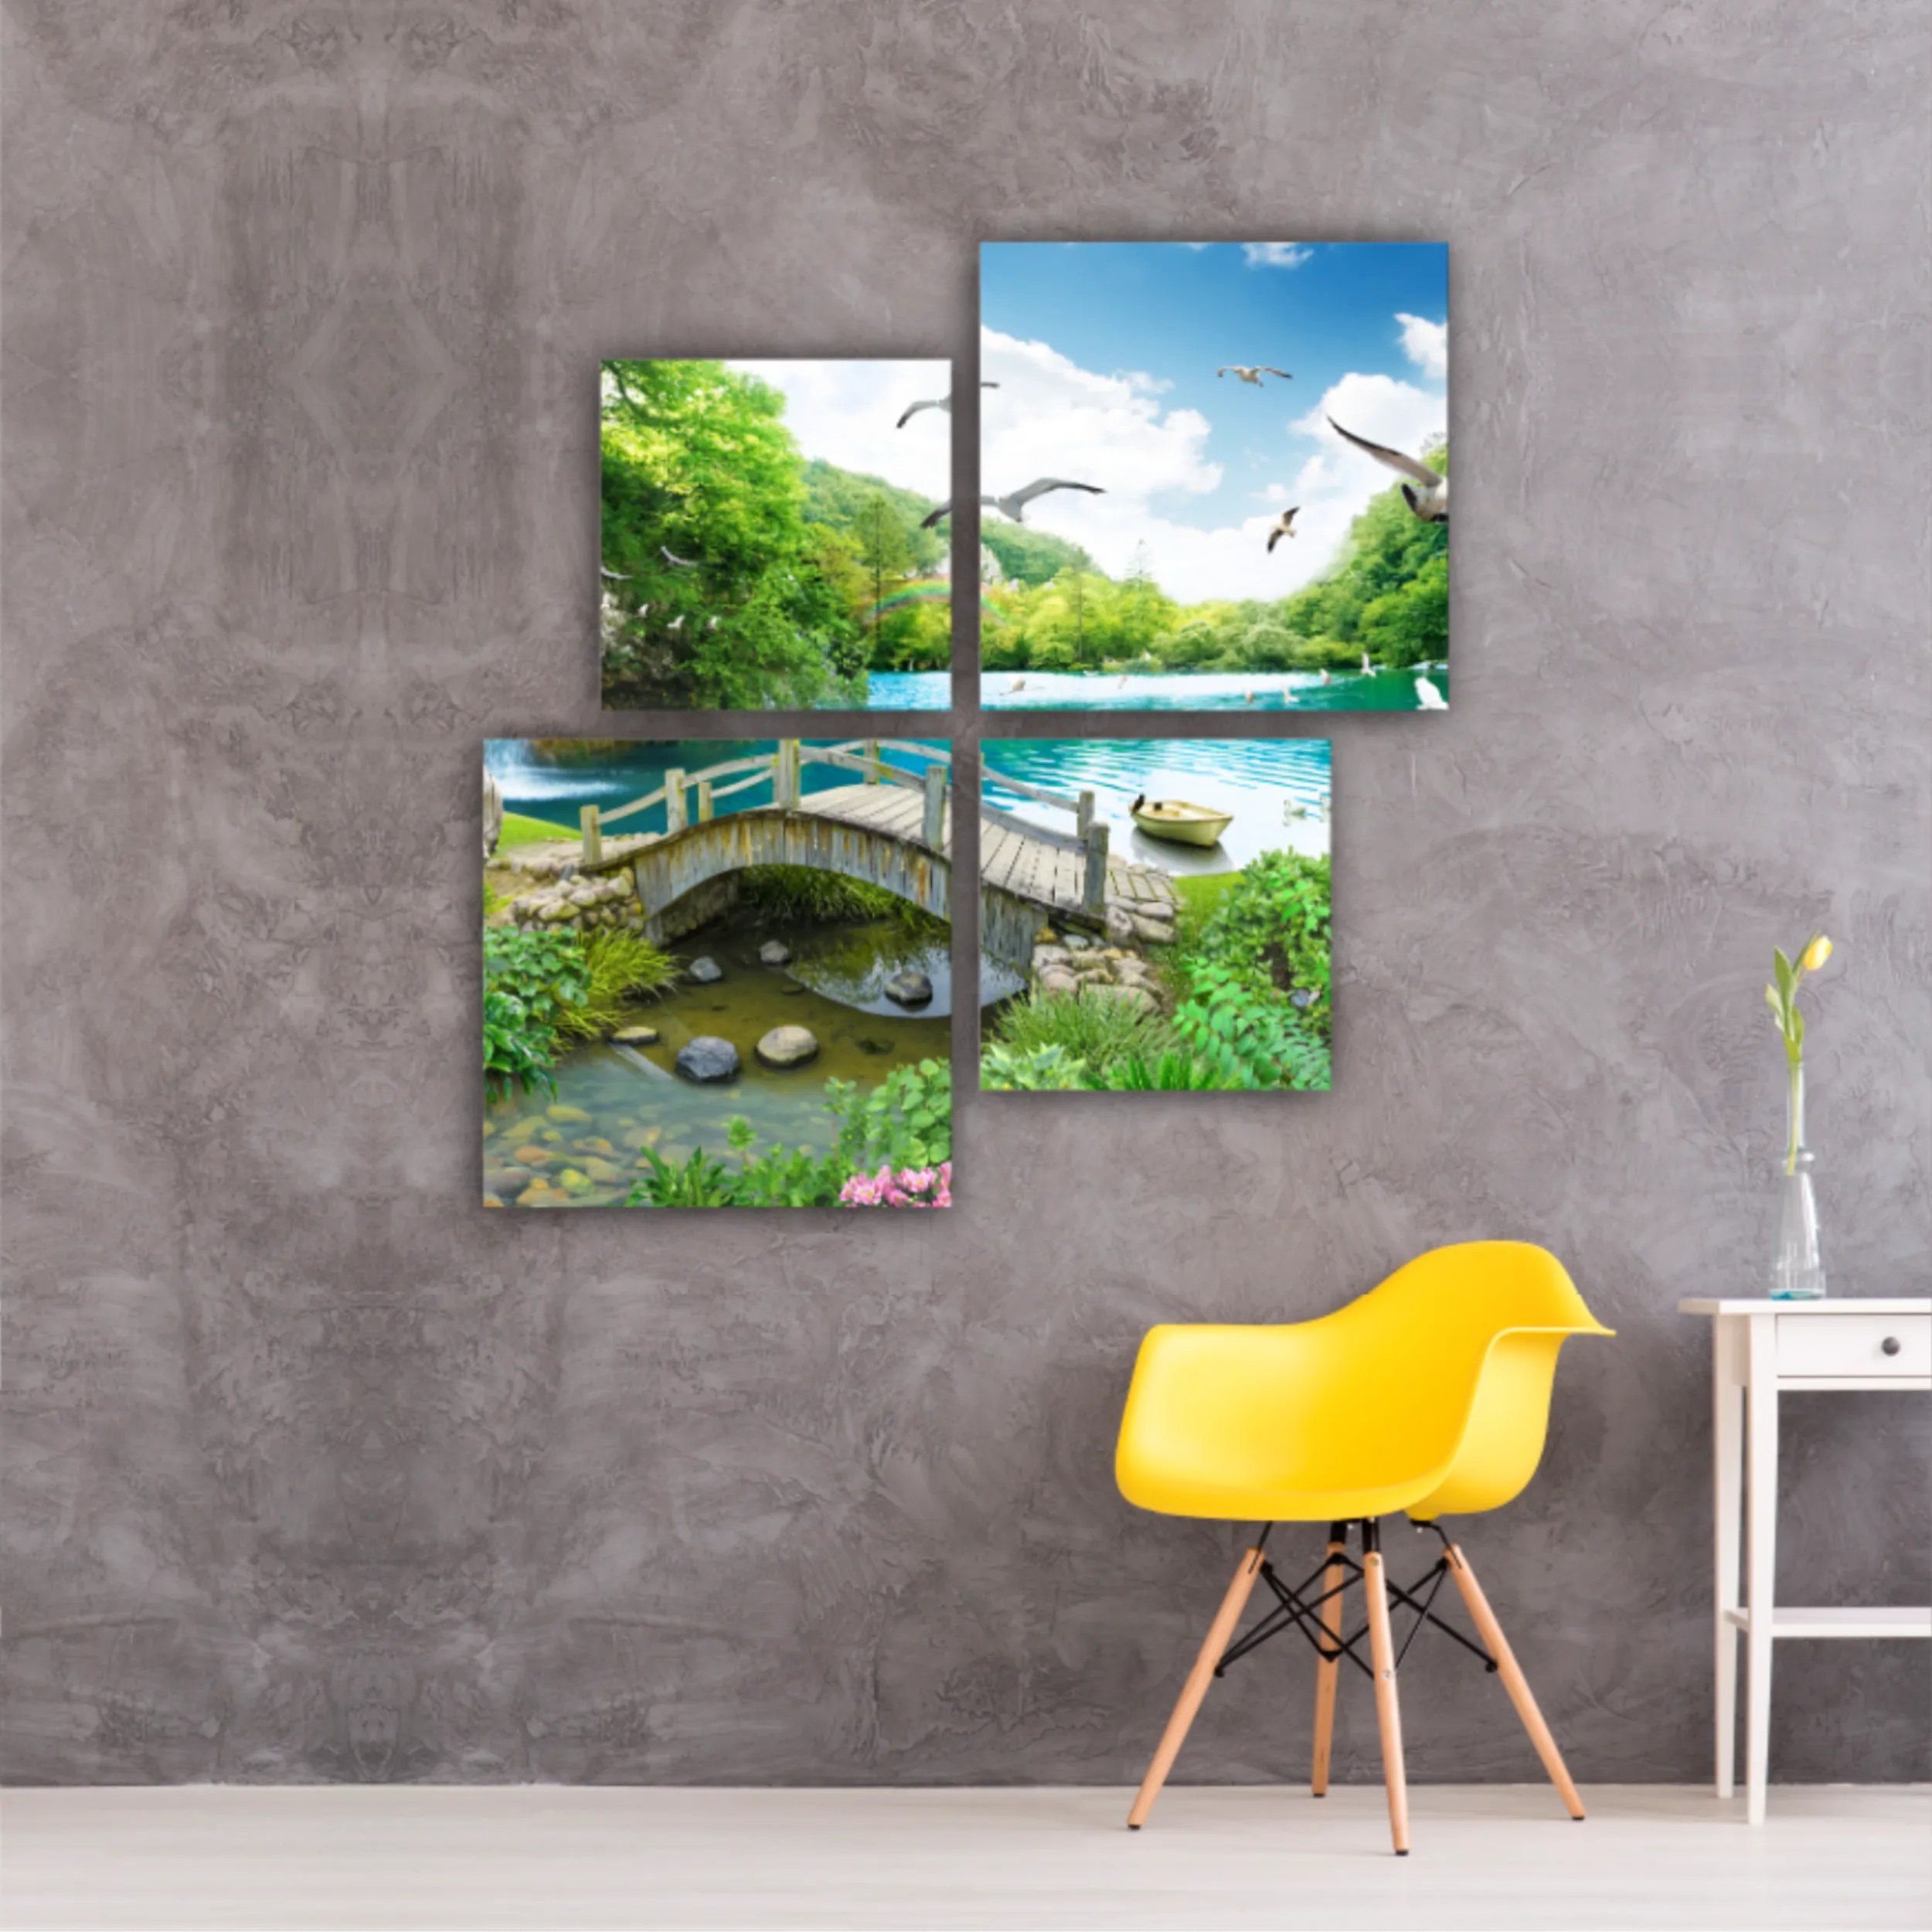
1277, 789
1208, 690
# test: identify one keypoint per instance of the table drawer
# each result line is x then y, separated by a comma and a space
1855, 1344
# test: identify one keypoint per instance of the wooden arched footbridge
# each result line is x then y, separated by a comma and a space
890, 827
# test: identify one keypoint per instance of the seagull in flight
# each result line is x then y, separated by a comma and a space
1428, 697
676, 563
1283, 526
1014, 505
1431, 501
616, 576
1253, 371
932, 403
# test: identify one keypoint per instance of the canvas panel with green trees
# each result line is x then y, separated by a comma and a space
1215, 476
768, 535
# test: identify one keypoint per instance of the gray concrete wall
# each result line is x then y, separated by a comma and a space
317, 1471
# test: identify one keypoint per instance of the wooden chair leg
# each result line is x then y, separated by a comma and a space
1328, 1669
1388, 1711
1513, 1680
1219, 1633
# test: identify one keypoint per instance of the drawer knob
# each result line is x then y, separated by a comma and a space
1890, 1345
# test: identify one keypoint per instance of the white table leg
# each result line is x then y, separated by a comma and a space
1761, 1425
1727, 1433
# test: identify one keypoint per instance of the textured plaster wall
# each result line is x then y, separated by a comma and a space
318, 1472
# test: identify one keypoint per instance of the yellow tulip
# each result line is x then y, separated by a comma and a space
1815, 954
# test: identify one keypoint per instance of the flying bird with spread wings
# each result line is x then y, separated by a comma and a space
1015, 505
932, 403
1426, 493
676, 563
1283, 526
1253, 371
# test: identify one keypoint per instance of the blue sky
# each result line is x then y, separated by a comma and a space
1105, 354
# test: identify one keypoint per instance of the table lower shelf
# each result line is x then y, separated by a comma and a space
1788, 1620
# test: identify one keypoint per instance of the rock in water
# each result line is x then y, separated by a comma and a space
774, 952
572, 1115
909, 989
704, 971
636, 1037
708, 1059
787, 1047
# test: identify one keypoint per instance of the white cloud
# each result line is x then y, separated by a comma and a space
1275, 254
1050, 417
1427, 345
844, 412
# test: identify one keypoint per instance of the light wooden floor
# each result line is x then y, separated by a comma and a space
1494, 1856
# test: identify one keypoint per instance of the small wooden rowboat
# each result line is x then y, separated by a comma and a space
1179, 822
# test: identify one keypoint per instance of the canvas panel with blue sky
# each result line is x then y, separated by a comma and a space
1214, 475
768, 535
1154, 915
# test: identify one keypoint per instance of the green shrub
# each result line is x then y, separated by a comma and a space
532, 981
906, 1121
1032, 1070
1097, 1030
1272, 929
620, 967
1250, 1039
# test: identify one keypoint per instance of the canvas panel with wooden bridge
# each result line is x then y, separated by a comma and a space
718, 973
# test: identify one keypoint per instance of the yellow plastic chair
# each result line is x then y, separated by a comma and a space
1429, 1396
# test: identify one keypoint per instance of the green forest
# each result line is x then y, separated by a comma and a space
1388, 599
785, 581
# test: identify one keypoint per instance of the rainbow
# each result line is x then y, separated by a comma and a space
930, 590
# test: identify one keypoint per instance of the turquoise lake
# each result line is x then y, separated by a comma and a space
1208, 690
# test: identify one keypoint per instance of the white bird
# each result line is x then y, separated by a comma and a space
1253, 371
1428, 697
1328, 677
1015, 505
616, 576
676, 563
1431, 501
677, 622
932, 403
1283, 526
1367, 668
713, 625
1018, 684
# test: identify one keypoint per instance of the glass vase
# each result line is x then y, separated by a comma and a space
1797, 1274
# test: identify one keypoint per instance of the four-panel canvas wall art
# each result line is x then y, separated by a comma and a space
722, 972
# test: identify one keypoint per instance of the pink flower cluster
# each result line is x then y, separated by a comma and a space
914, 1187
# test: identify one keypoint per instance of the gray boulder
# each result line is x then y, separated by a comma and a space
704, 971
774, 952
708, 1060
909, 989
787, 1047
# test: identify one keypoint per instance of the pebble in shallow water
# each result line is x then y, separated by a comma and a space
709, 1059
787, 1047
706, 970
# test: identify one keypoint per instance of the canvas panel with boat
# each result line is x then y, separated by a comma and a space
1185, 946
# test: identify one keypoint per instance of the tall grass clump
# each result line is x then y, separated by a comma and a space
621, 968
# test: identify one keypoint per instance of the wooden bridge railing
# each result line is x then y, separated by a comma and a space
1088, 838
783, 769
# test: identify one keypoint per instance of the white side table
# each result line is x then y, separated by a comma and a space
1760, 1349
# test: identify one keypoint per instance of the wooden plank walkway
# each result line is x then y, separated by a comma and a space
1043, 874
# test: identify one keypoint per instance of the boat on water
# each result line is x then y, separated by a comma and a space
1180, 823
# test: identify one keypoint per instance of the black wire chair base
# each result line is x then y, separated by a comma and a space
1294, 1608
